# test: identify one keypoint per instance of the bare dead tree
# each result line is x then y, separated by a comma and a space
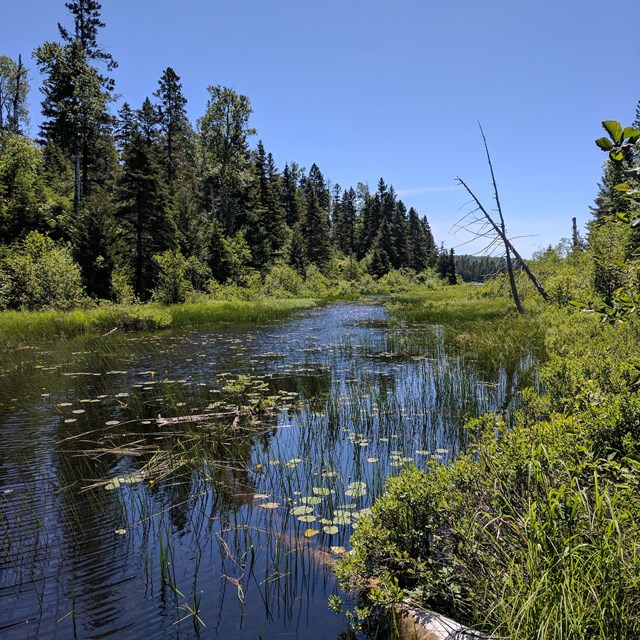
495, 231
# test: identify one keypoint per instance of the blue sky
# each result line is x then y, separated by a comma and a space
372, 88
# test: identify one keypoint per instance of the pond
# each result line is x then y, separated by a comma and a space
200, 484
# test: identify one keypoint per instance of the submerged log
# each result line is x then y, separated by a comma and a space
203, 417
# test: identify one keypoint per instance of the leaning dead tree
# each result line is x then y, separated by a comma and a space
496, 231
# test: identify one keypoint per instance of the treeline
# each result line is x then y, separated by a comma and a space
143, 201
478, 268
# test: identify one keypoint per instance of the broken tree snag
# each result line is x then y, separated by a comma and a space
501, 233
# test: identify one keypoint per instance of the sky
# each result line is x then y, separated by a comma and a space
374, 88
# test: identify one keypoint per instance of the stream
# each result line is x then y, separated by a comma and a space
200, 484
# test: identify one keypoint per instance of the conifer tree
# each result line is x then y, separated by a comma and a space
290, 197
398, 230
174, 123
344, 225
76, 93
147, 226
314, 227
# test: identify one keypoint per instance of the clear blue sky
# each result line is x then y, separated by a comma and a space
374, 88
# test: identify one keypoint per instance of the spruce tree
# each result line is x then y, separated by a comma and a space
174, 123
344, 225
314, 228
147, 227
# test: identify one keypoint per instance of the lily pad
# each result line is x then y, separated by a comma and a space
311, 499
321, 491
269, 505
302, 510
330, 530
307, 518
309, 533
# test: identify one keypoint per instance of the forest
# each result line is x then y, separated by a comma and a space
142, 203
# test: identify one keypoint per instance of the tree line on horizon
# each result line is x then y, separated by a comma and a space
116, 198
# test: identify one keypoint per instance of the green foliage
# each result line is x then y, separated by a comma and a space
533, 532
24, 197
39, 273
173, 286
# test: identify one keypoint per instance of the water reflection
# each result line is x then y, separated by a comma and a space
201, 484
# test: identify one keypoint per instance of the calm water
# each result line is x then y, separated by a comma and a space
119, 523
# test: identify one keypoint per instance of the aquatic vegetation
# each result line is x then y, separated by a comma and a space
226, 460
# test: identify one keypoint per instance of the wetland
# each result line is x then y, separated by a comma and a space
200, 483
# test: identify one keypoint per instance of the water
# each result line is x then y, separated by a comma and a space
119, 522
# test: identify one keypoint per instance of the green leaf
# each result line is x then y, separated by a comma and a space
577, 303
623, 186
605, 144
613, 128
616, 156
630, 132
301, 511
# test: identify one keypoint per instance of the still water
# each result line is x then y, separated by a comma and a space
200, 484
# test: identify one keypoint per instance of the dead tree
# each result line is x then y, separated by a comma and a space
496, 230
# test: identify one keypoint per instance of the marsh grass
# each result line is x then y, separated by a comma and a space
25, 327
486, 329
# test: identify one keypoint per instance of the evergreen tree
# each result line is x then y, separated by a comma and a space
418, 245
174, 123
380, 263
76, 93
344, 225
87, 23
290, 197
314, 228
315, 182
398, 230
146, 223
451, 268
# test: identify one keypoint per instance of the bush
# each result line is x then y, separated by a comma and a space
39, 273
173, 286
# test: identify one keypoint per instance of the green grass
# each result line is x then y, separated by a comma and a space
25, 327
490, 330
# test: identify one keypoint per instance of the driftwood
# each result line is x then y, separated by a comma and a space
203, 417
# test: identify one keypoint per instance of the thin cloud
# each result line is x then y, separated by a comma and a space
418, 191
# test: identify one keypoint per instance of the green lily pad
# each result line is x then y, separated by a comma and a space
307, 518
301, 510
330, 530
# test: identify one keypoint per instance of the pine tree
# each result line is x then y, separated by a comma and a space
76, 93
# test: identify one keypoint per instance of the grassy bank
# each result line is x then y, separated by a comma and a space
534, 533
24, 327
488, 329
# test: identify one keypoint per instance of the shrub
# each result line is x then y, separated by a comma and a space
39, 273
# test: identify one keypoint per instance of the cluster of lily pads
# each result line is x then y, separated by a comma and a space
330, 519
